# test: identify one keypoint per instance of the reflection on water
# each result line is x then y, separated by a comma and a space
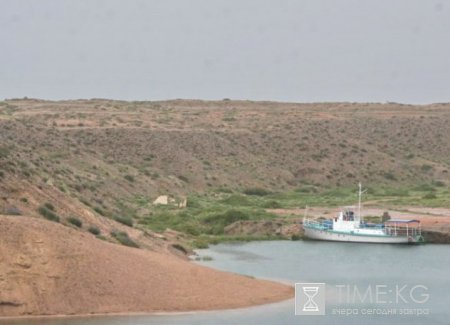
332, 263
239, 254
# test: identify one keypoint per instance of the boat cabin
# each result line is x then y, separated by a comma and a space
403, 227
346, 220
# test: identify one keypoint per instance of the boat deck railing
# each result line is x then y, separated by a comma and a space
395, 230
389, 229
321, 225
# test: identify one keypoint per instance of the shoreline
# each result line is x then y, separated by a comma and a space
156, 313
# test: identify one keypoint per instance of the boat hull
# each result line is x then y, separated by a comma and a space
330, 235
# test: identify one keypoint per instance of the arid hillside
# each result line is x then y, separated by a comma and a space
94, 158
90, 158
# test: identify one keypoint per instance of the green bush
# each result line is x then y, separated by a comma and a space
200, 243
403, 192
94, 230
439, 183
124, 220
191, 229
295, 237
99, 211
217, 222
256, 191
429, 196
129, 178
48, 214
4, 152
426, 168
306, 189
227, 218
193, 202
122, 237
49, 206
75, 221
224, 190
389, 176
272, 205
237, 200
424, 187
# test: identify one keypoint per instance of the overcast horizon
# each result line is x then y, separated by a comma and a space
290, 51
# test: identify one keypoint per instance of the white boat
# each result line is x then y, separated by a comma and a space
350, 227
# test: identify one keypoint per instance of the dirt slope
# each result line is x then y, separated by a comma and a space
47, 269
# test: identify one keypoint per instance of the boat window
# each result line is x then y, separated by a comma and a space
349, 216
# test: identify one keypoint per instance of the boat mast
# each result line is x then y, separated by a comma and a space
360, 193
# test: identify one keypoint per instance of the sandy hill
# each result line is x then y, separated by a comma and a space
47, 269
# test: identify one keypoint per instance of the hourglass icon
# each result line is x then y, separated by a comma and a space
310, 292
310, 299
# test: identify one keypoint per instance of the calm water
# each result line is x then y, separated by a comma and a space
333, 263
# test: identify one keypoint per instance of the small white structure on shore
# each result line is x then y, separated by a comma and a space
182, 203
162, 199
167, 200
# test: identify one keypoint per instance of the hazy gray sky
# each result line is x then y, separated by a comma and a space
287, 50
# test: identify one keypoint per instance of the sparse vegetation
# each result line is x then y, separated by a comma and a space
429, 196
48, 214
99, 211
426, 168
124, 220
253, 158
237, 200
49, 206
75, 221
4, 152
272, 204
123, 238
256, 191
208, 215
389, 176
439, 183
94, 230
200, 243
218, 222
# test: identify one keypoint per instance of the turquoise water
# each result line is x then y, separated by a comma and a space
335, 264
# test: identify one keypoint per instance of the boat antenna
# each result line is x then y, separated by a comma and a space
360, 193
